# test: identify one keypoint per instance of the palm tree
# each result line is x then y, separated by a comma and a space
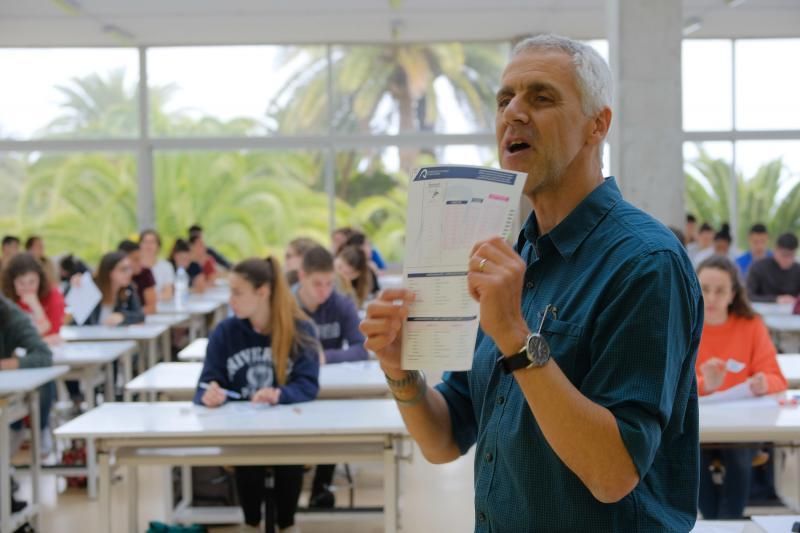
366, 78
708, 191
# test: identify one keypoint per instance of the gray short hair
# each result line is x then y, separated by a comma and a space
591, 70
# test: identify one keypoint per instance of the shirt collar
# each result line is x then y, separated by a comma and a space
568, 235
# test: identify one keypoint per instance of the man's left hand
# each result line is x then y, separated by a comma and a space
495, 277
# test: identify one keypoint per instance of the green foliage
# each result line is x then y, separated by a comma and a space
708, 190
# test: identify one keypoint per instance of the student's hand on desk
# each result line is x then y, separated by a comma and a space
758, 384
214, 396
267, 395
495, 277
713, 372
114, 319
786, 299
382, 326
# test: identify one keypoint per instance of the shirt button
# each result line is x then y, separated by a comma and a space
529, 285
500, 400
481, 517
489, 457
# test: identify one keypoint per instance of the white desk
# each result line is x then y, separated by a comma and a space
790, 367
91, 363
205, 312
239, 433
19, 397
178, 381
754, 420
147, 335
196, 351
772, 308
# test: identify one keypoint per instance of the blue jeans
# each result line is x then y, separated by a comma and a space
47, 393
729, 499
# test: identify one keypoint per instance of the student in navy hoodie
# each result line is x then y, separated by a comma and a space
267, 353
336, 319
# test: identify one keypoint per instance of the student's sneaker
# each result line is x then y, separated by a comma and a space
323, 499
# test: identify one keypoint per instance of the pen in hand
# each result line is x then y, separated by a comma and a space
229, 393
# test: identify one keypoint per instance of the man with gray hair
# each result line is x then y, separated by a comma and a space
582, 397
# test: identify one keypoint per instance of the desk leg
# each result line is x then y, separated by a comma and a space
166, 349
127, 369
133, 498
88, 387
91, 469
144, 354
105, 491
110, 393
36, 447
390, 492
5, 470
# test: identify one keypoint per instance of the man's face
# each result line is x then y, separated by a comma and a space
135, 258
540, 125
758, 243
691, 229
705, 238
11, 249
784, 258
317, 285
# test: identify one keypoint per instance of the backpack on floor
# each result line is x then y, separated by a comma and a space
160, 527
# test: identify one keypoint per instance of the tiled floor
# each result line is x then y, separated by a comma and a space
432, 499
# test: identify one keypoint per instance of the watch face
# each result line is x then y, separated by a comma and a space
538, 350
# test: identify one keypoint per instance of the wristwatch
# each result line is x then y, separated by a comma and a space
534, 354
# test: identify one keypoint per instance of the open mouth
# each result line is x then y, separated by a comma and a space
518, 146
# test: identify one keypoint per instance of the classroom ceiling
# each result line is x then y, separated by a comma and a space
206, 22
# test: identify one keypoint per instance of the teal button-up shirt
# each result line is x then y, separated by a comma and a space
625, 330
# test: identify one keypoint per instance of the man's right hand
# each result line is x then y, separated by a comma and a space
383, 326
214, 396
785, 299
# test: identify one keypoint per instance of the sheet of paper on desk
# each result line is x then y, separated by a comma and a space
81, 300
450, 208
737, 392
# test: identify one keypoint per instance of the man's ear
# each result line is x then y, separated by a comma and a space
600, 126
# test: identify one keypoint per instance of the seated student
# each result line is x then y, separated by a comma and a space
181, 257
758, 240
293, 259
200, 255
735, 348
351, 263
218, 257
267, 353
703, 247
336, 320
163, 271
25, 282
722, 241
70, 266
776, 278
18, 333
10, 248
120, 303
335, 316
35, 246
142, 277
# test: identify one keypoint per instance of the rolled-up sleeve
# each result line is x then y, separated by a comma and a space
645, 343
455, 389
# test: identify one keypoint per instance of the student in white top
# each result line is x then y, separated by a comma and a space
163, 271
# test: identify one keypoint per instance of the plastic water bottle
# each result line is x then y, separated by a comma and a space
181, 288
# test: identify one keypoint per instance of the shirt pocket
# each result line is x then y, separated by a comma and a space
564, 339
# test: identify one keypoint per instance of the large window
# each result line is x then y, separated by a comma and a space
739, 109
237, 90
83, 203
68, 94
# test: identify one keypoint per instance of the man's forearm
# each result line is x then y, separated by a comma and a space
584, 435
428, 421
